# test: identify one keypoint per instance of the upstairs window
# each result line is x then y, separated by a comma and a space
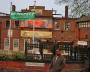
16, 24
7, 24
56, 27
67, 26
84, 24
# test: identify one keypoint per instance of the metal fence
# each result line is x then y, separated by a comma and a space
73, 54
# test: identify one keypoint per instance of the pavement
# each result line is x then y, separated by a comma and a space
12, 66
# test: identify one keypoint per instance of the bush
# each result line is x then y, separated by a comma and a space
19, 56
13, 56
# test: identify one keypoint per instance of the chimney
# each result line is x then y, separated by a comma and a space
13, 8
66, 11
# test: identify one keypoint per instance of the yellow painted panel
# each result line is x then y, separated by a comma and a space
37, 34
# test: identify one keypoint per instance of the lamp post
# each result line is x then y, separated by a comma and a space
33, 39
9, 30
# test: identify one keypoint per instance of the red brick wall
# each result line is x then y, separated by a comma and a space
85, 34
62, 35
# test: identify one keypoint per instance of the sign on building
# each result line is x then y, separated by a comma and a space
22, 15
38, 23
82, 43
37, 34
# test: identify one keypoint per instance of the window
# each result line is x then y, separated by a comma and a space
57, 27
15, 43
6, 43
7, 24
84, 24
67, 26
79, 25
16, 24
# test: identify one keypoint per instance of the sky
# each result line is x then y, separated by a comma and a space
22, 4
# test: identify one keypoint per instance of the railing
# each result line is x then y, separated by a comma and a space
38, 58
72, 54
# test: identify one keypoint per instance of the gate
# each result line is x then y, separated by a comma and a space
38, 52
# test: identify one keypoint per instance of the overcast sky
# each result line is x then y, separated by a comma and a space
22, 4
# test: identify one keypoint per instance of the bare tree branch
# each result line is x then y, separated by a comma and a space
77, 7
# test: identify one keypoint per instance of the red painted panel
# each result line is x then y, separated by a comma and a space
37, 23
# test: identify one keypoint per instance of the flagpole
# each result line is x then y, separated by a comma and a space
34, 24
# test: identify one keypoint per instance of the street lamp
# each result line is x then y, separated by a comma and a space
33, 39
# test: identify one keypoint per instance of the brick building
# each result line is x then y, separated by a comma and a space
83, 25
65, 29
3, 17
47, 28
14, 33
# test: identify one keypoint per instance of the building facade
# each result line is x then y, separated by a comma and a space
15, 33
65, 30
83, 25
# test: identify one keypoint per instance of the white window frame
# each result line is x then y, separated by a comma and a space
55, 26
6, 47
84, 25
67, 26
14, 45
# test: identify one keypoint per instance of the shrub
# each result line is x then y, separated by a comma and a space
13, 56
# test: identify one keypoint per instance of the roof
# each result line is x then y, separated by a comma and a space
37, 7
3, 14
84, 18
60, 18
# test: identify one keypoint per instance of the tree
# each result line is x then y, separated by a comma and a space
77, 7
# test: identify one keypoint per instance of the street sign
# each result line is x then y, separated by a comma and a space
22, 15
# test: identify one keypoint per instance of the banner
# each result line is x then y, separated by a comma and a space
22, 15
